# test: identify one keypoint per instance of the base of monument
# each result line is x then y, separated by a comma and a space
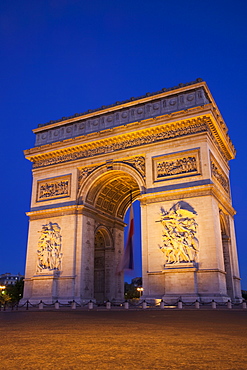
49, 300
191, 298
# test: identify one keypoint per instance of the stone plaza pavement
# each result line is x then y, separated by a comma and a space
113, 339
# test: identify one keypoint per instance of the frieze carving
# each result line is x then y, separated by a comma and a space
218, 175
49, 248
165, 132
58, 187
180, 244
174, 165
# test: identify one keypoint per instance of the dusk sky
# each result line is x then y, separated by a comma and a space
61, 57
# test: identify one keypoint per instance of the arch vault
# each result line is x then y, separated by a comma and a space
170, 150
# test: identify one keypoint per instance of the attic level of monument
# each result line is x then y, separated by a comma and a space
119, 104
160, 116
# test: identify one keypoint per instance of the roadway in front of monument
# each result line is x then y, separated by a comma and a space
165, 339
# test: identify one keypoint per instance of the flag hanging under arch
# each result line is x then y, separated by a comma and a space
127, 261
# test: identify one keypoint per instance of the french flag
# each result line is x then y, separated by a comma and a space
127, 261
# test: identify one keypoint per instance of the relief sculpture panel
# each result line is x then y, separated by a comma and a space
219, 175
179, 240
58, 187
176, 165
49, 248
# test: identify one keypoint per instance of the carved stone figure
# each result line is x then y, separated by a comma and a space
219, 175
49, 248
179, 234
178, 166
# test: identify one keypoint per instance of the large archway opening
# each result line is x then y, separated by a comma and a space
108, 194
137, 271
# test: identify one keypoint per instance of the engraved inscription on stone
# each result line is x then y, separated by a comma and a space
58, 187
176, 165
180, 243
49, 248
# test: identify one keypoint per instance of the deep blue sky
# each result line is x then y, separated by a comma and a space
60, 57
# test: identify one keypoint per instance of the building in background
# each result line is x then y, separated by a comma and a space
10, 279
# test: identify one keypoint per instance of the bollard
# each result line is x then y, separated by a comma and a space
108, 305
229, 304
144, 305
244, 305
90, 305
180, 305
213, 304
162, 305
57, 305
126, 305
26, 306
41, 305
73, 305
197, 304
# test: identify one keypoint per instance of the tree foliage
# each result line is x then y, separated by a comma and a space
15, 291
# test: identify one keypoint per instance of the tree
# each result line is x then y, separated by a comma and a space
15, 291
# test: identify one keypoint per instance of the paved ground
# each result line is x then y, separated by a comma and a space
169, 339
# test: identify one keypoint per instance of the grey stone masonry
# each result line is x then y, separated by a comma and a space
137, 111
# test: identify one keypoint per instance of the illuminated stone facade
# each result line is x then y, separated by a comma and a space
171, 149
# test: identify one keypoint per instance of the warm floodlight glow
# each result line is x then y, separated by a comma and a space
140, 290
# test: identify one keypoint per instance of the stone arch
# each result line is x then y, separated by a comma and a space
106, 192
223, 225
106, 235
109, 188
103, 248
226, 246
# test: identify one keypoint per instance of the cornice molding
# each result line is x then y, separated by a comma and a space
158, 133
195, 191
54, 212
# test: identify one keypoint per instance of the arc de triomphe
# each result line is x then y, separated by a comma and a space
171, 150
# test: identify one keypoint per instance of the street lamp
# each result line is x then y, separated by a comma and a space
2, 287
140, 290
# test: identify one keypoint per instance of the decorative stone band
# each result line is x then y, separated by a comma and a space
117, 143
189, 192
219, 175
54, 154
174, 165
54, 188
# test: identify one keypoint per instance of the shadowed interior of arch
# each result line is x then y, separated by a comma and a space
111, 193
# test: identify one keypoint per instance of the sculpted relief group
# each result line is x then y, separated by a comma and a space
171, 151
